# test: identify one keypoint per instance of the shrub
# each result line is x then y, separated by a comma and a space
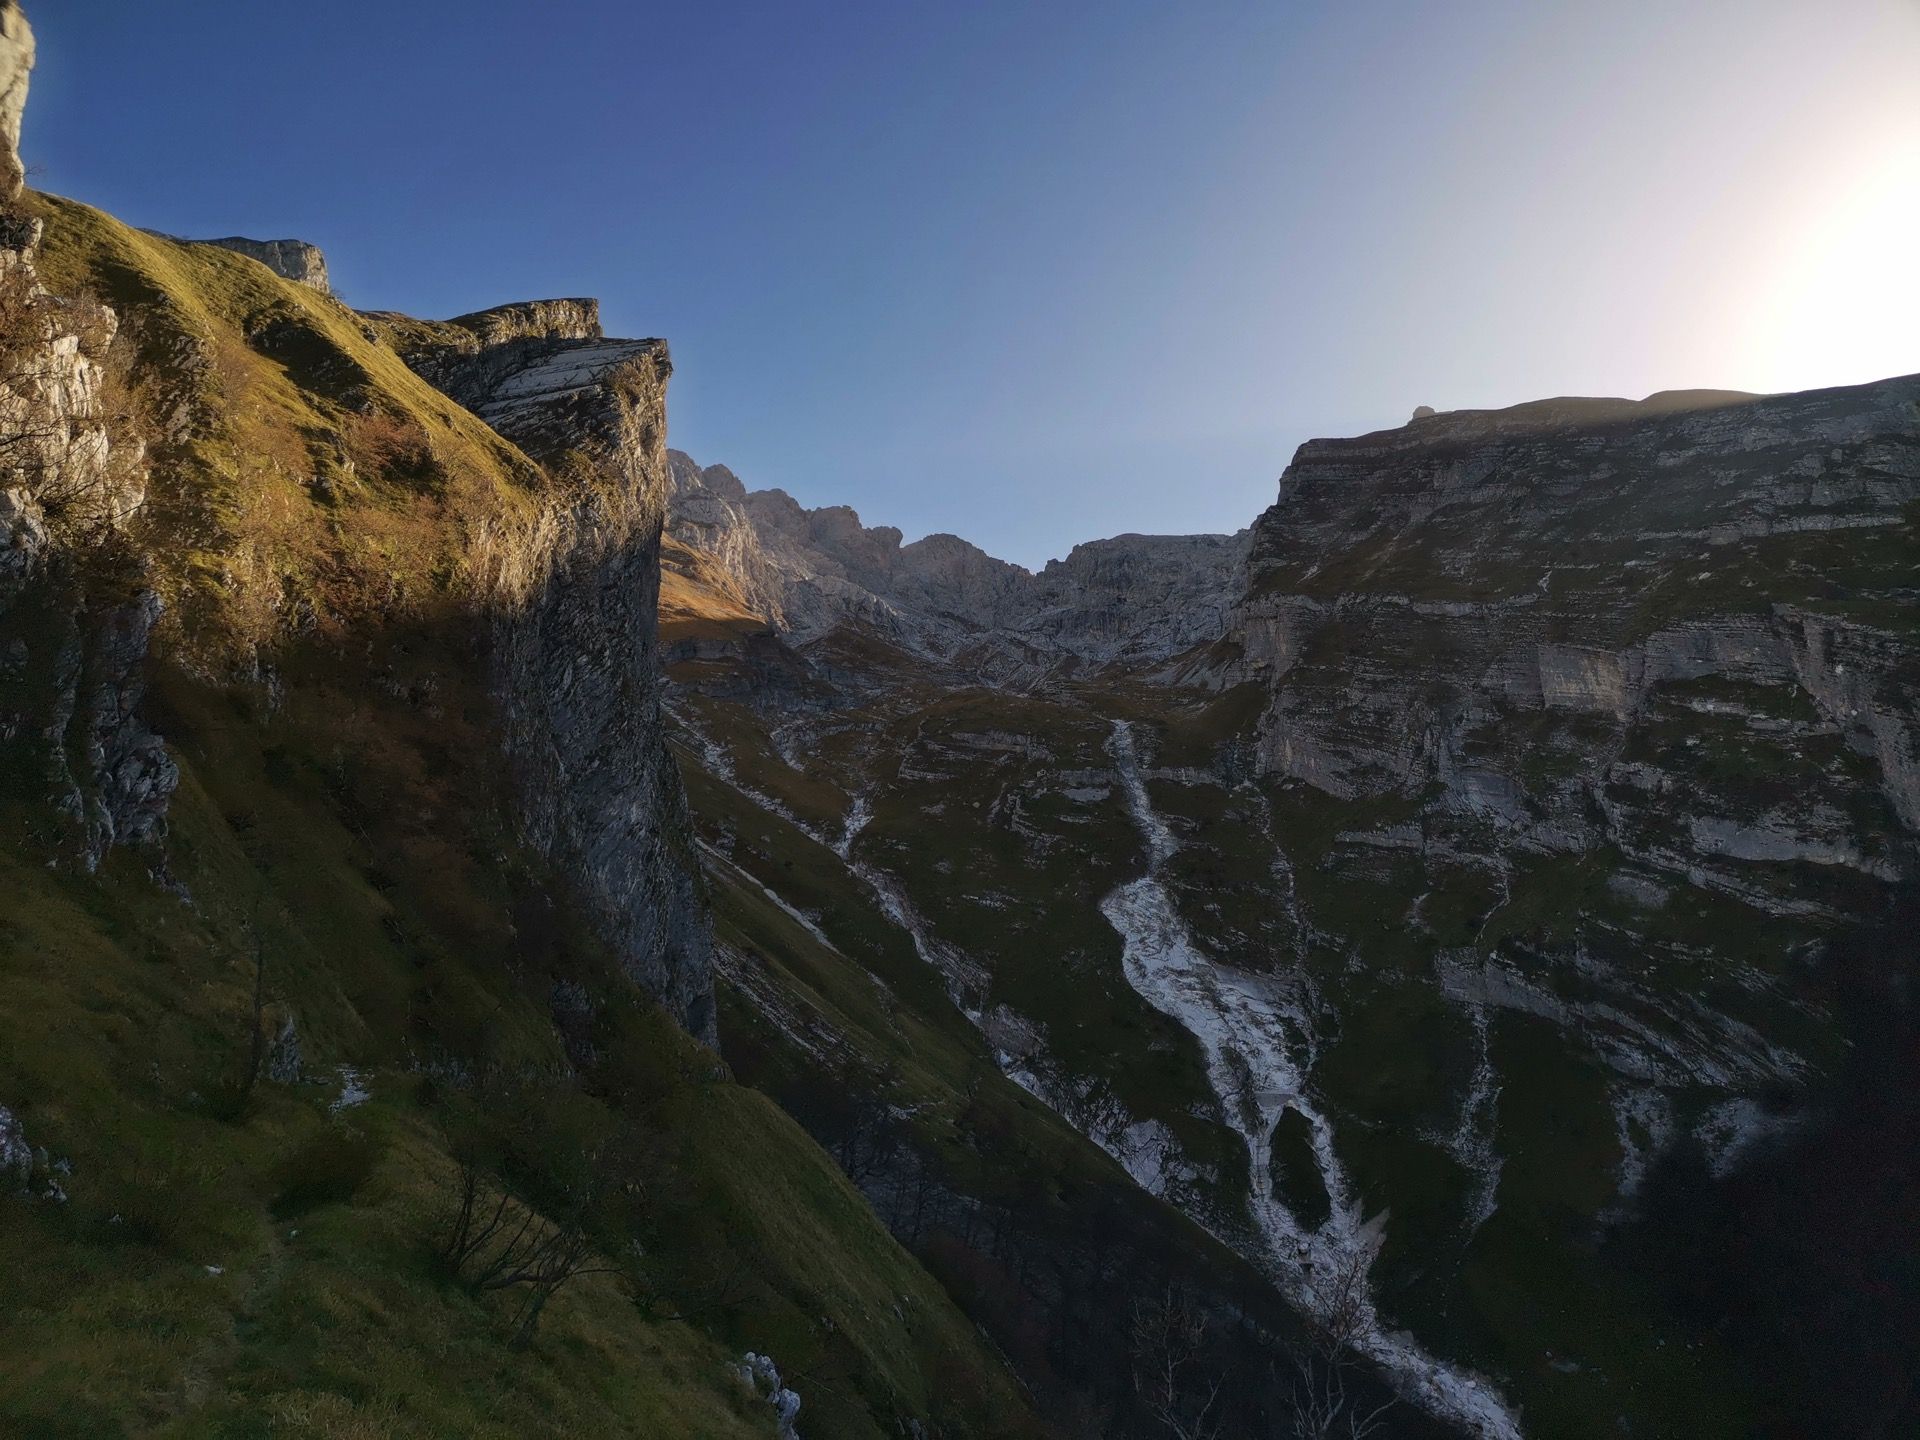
390, 446
328, 1168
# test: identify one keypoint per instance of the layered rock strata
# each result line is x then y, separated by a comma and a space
1589, 572
576, 664
293, 260
72, 660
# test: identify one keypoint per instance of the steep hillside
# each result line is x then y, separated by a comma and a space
1515, 879
1588, 727
507, 932
350, 906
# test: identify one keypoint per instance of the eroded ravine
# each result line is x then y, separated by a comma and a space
1259, 1042
1254, 1035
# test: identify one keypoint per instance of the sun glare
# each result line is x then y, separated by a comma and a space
1842, 300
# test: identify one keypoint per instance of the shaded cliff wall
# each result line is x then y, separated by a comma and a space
1515, 612
75, 621
577, 660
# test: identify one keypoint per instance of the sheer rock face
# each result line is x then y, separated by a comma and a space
293, 260
1598, 574
706, 511
1141, 599
577, 665
71, 676
16, 66
1135, 599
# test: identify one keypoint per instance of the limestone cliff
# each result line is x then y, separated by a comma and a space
576, 663
74, 624
293, 260
1599, 573
16, 67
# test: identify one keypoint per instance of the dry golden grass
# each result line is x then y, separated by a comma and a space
310, 478
698, 600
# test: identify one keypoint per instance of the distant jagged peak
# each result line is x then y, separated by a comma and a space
1132, 545
1126, 599
688, 473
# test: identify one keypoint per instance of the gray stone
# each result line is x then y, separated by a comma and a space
294, 260
575, 656
284, 1066
1137, 600
16, 1155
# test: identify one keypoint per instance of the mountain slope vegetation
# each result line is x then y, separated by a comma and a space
1525, 866
250, 1063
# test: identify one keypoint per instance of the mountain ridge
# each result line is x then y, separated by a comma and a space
1532, 788
1127, 599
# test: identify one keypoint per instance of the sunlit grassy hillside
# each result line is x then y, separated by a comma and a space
194, 1251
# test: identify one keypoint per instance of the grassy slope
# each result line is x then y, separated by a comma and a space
264, 1267
308, 475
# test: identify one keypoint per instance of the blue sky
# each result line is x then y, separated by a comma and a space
1040, 272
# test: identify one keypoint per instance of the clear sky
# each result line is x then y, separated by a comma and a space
1040, 272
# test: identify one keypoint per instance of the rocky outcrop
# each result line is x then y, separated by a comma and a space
533, 370
531, 320
293, 260
1134, 599
73, 645
16, 1155
16, 68
576, 663
110, 772
1603, 566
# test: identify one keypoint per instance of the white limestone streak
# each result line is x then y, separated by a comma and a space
1471, 1143
1251, 1031
1146, 1149
1259, 1042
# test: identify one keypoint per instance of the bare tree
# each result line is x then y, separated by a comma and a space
1322, 1409
1169, 1338
496, 1241
725, 1285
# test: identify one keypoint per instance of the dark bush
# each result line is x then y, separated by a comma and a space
327, 1168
